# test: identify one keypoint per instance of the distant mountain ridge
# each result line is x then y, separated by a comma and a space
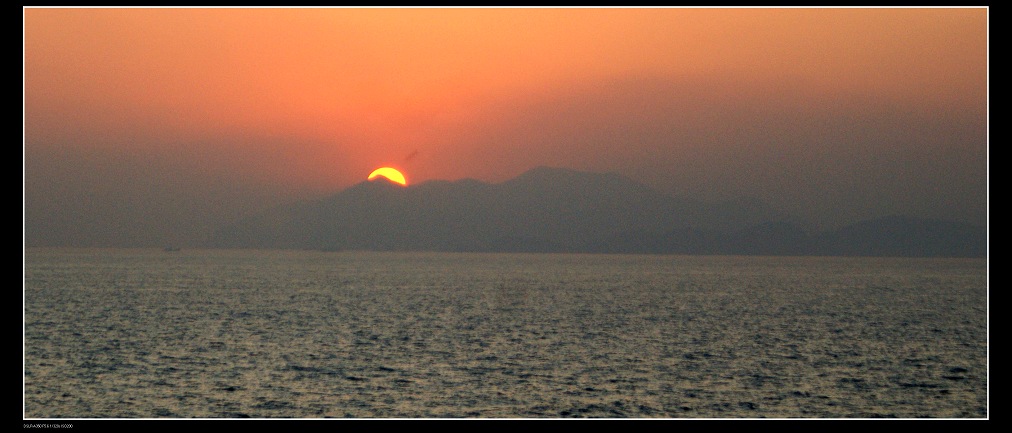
560, 210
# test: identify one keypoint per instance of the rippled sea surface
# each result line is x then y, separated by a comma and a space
146, 333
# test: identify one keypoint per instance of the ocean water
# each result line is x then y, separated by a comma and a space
146, 333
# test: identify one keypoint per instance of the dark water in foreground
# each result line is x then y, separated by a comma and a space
135, 333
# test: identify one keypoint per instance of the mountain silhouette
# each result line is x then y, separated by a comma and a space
904, 236
560, 210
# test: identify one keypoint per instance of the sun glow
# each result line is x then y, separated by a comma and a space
390, 174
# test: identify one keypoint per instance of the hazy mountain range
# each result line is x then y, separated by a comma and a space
559, 210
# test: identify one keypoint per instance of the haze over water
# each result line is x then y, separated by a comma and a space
144, 333
147, 127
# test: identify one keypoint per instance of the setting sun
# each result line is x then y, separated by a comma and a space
390, 174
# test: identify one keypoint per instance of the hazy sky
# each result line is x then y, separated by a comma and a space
154, 126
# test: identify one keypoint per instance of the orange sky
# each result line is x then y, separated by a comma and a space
312, 100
